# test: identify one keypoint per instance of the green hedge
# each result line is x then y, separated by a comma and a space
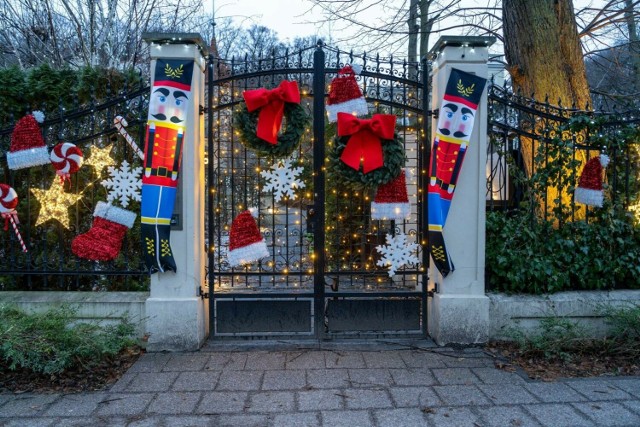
47, 88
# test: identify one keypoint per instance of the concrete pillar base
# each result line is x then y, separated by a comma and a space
459, 319
175, 324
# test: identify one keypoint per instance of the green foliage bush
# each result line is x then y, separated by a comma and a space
530, 255
53, 341
559, 338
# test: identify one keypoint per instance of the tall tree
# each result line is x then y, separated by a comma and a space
543, 50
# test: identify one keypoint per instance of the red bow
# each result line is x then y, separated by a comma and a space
271, 104
364, 144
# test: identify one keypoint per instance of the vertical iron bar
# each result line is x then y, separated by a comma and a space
424, 156
210, 186
318, 188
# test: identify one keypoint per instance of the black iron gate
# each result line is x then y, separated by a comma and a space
321, 278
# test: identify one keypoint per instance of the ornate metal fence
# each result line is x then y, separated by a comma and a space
526, 135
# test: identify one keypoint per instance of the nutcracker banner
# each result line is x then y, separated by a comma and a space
169, 106
453, 132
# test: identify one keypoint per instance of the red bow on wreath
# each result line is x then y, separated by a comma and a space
364, 144
271, 104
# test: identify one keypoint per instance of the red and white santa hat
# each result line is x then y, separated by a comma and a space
345, 95
392, 200
245, 241
589, 190
27, 145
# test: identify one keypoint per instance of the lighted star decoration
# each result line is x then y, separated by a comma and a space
99, 158
55, 204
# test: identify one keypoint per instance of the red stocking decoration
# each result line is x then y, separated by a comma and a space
104, 240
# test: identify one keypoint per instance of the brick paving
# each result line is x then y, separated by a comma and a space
333, 384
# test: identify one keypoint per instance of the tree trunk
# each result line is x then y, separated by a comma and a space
543, 51
426, 25
545, 60
634, 44
413, 36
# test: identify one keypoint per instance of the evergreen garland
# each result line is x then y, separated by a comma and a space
342, 175
294, 124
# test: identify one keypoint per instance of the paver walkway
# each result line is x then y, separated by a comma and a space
381, 384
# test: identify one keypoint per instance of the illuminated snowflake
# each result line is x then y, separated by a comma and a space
397, 252
124, 184
282, 178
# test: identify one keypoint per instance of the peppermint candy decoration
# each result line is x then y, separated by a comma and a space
66, 158
8, 199
8, 204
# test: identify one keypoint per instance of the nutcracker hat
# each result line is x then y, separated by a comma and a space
345, 95
245, 241
589, 191
173, 73
391, 200
27, 144
465, 88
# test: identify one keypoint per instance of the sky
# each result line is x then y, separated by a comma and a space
294, 18
284, 16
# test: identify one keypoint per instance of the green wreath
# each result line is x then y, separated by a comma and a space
343, 175
295, 122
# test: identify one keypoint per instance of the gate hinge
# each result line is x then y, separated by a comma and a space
202, 294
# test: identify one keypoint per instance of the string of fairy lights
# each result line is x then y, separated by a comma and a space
292, 254
55, 201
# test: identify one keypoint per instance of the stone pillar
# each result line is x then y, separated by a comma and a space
458, 312
177, 318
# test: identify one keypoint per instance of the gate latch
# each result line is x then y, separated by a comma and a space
202, 294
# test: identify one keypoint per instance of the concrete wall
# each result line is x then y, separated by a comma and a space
524, 312
107, 307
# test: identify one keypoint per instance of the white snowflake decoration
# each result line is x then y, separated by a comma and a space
397, 252
282, 178
124, 185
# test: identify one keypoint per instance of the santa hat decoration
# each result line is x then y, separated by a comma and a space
589, 191
345, 95
245, 241
27, 145
392, 201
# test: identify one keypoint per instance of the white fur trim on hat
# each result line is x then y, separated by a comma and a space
247, 254
357, 106
590, 197
115, 214
39, 116
28, 158
397, 211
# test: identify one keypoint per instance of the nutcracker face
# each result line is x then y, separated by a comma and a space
168, 104
455, 120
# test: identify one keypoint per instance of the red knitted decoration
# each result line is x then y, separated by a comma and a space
244, 231
591, 177
102, 242
26, 134
394, 191
344, 87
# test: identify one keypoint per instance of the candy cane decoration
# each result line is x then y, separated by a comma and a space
8, 203
18, 235
120, 124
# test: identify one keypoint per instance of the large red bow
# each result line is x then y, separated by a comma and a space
364, 144
271, 104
